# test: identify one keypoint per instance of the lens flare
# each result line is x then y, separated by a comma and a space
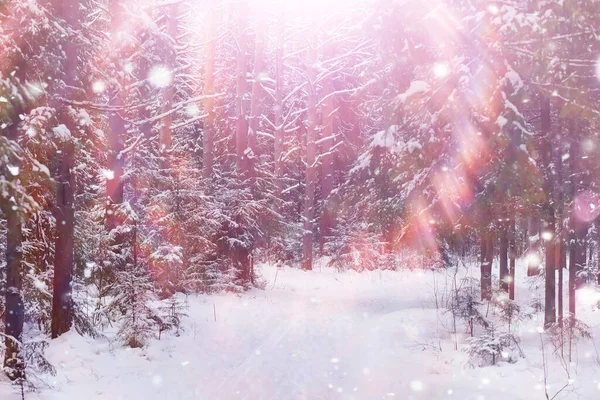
586, 206
160, 76
441, 70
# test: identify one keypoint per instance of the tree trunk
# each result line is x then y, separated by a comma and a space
241, 254
598, 250
241, 126
165, 132
577, 226
560, 255
487, 257
560, 265
504, 249
549, 230
327, 143
116, 132
550, 281
533, 238
256, 99
209, 90
311, 153
62, 302
512, 251
278, 113
14, 312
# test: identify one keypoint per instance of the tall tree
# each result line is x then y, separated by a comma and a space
549, 229
62, 302
311, 155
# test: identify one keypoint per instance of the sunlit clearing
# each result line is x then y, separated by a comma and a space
588, 296
160, 76
416, 386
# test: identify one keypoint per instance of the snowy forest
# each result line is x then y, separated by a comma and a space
271, 199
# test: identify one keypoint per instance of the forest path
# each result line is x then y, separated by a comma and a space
306, 336
327, 335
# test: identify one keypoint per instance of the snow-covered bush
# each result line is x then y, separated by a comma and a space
564, 336
464, 304
508, 310
171, 312
131, 306
354, 246
493, 347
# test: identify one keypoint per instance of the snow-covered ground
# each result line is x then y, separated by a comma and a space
317, 335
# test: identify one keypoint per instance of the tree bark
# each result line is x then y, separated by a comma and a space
14, 311
560, 255
533, 238
165, 132
487, 258
256, 98
549, 230
116, 132
241, 254
241, 126
278, 112
311, 153
598, 250
512, 251
577, 227
327, 143
62, 302
504, 249
209, 90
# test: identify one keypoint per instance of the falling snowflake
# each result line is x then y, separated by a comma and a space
14, 170
192, 110
547, 235
160, 76
129, 68
109, 174
98, 87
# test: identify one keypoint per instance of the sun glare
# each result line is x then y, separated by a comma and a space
160, 76
441, 70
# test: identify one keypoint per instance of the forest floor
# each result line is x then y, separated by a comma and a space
319, 335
